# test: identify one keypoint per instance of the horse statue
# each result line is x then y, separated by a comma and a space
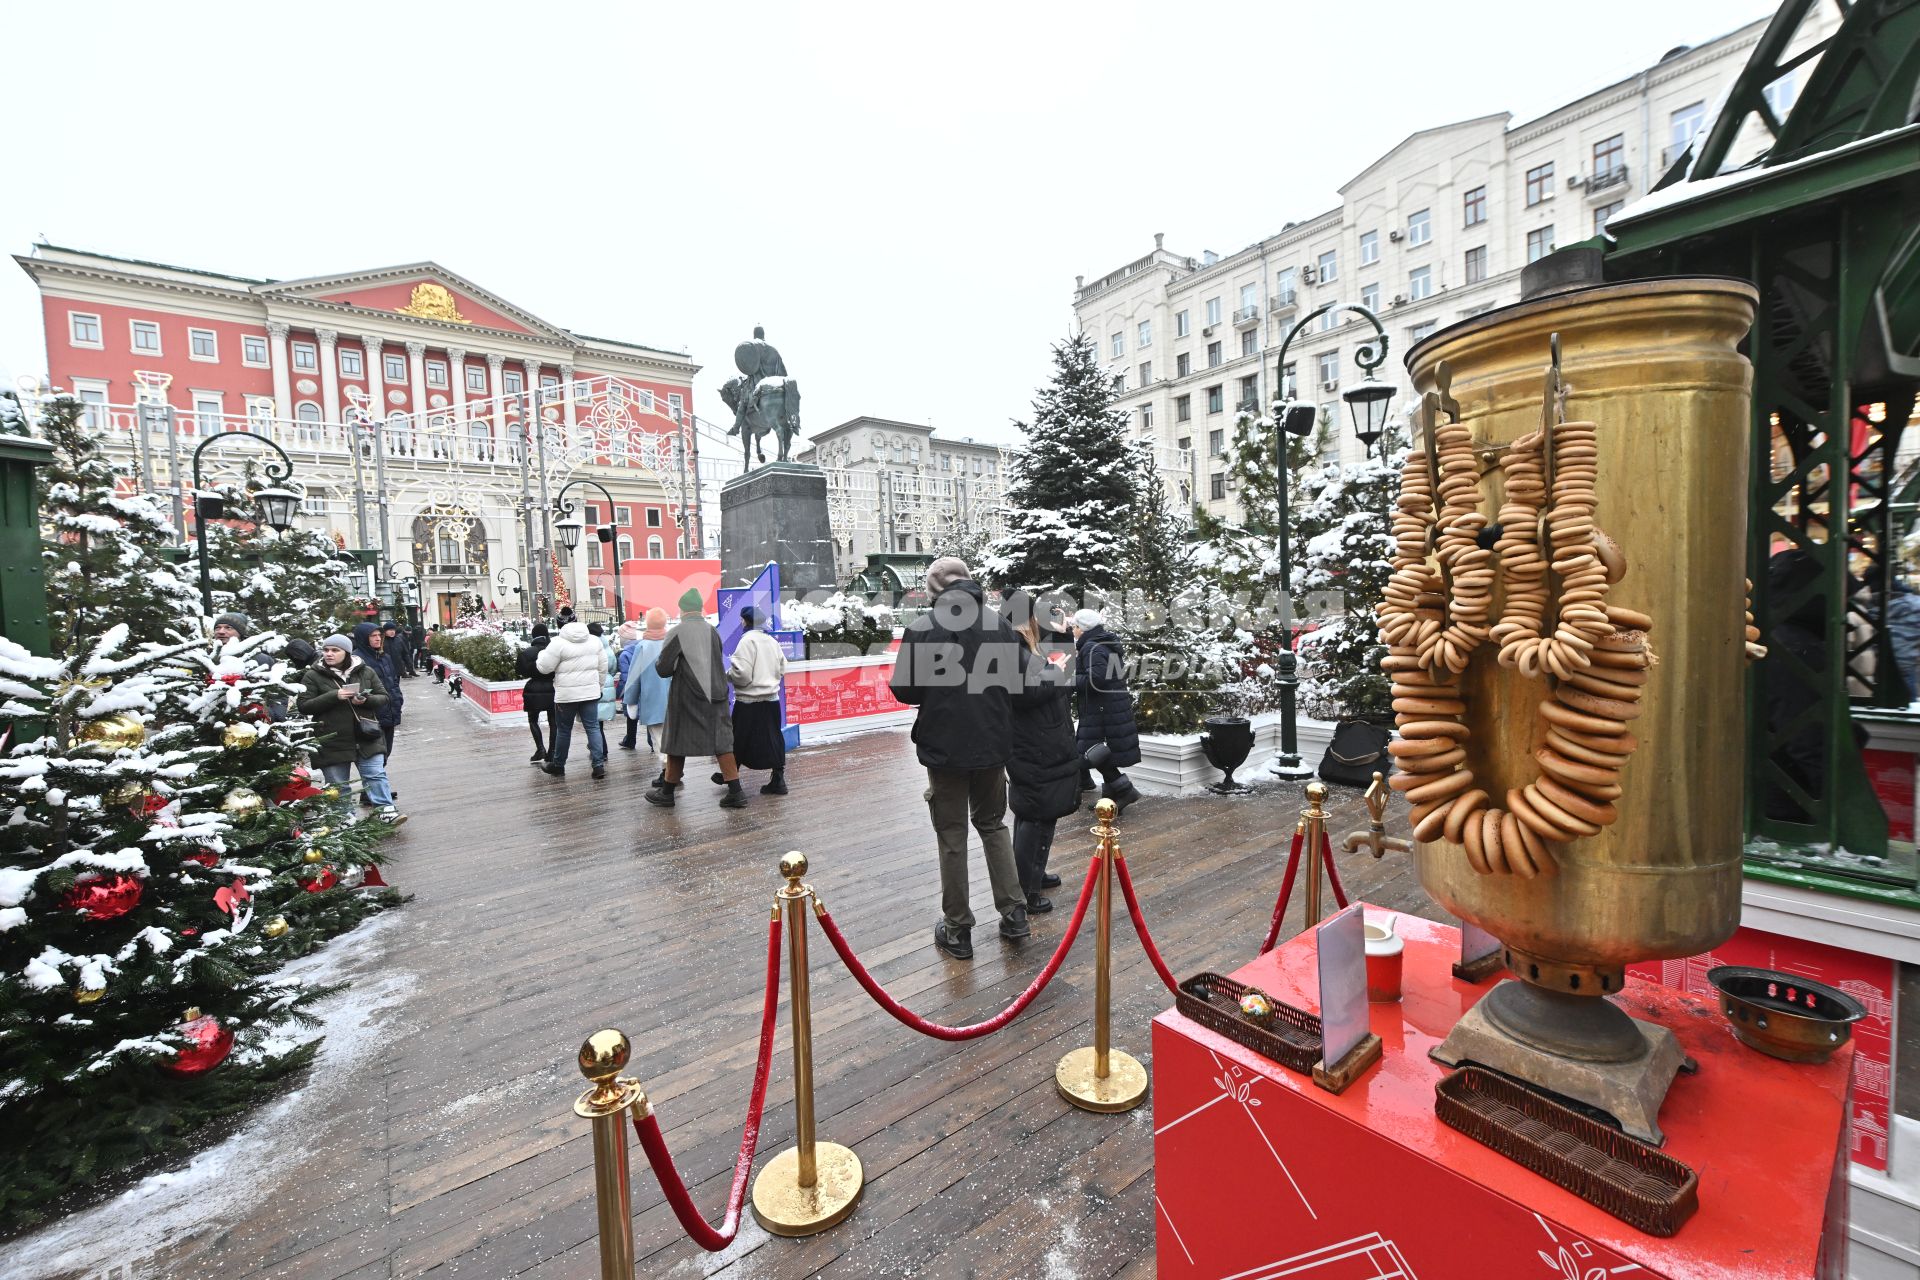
763, 399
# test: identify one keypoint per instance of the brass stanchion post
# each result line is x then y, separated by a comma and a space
602, 1058
812, 1185
1100, 1077
1315, 819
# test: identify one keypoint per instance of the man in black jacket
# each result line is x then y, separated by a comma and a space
960, 664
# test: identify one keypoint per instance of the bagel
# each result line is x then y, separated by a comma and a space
1575, 772
1465, 805
1536, 819
1429, 826
1629, 619
1574, 804
1440, 788
1490, 842
1556, 814
1618, 744
1566, 717
1401, 690
1430, 706
1593, 704
1622, 641
1413, 748
1515, 848
1470, 841
1435, 763
1631, 660
1615, 683
1432, 729
1536, 848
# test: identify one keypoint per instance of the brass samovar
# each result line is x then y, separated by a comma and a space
1655, 364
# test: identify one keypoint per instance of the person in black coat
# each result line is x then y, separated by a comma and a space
397, 639
537, 697
1108, 737
1044, 768
370, 647
960, 664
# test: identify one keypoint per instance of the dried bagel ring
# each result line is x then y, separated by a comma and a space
1429, 728
1465, 806
1430, 706
1622, 641
1574, 804
1621, 744
1490, 842
1549, 831
1514, 847
1603, 687
1413, 748
1579, 721
1574, 772
1440, 788
1429, 826
1635, 660
1610, 708
1629, 619
1435, 764
1537, 851
1470, 841
1554, 813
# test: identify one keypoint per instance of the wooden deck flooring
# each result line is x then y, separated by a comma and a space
546, 909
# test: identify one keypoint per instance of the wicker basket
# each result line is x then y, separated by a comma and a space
1292, 1039
1624, 1176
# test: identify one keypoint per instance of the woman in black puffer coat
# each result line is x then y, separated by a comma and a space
537, 697
1109, 740
1043, 772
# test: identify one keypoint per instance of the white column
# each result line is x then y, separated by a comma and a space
457, 371
495, 389
417, 366
376, 377
282, 380
566, 399
329, 374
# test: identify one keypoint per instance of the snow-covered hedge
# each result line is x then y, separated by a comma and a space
842, 625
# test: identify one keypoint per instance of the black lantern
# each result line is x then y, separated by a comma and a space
209, 506
1367, 401
277, 506
604, 533
1297, 419
569, 527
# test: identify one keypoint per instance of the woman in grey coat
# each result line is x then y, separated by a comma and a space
697, 721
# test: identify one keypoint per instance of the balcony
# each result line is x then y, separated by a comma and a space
454, 569
1608, 180
1283, 303
1246, 316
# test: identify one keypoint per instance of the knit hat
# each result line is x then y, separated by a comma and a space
946, 571
595, 629
626, 633
540, 631
691, 601
337, 642
656, 624
1088, 619
238, 621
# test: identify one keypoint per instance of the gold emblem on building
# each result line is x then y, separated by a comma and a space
432, 302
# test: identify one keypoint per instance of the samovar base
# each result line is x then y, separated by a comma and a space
1627, 1085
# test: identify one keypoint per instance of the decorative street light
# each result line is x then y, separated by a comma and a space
570, 526
1367, 402
519, 591
276, 503
407, 589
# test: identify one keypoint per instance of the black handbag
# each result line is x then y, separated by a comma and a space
1357, 752
368, 730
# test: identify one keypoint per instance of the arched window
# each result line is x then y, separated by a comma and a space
482, 441
399, 437
306, 429
623, 549
655, 549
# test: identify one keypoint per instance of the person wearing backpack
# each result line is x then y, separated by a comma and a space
537, 697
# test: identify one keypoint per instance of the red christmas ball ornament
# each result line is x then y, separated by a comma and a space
208, 1044
205, 857
253, 712
233, 677
152, 803
295, 788
103, 897
325, 878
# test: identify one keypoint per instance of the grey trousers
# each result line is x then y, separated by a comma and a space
954, 796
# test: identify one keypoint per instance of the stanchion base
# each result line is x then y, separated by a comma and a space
785, 1208
1123, 1089
1289, 767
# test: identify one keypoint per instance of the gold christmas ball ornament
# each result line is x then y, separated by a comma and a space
313, 855
276, 927
238, 736
88, 995
243, 802
108, 734
331, 793
126, 793
319, 832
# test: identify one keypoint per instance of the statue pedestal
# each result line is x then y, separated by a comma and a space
777, 512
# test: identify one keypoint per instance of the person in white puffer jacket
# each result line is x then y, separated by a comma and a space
577, 661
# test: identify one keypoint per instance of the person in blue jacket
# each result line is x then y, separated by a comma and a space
644, 691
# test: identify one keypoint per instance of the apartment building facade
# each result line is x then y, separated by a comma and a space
1434, 231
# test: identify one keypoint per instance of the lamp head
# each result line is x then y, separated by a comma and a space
1368, 401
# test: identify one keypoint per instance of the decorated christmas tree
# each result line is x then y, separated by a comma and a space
1242, 549
1072, 493
288, 582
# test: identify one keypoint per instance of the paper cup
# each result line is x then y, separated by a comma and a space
1385, 952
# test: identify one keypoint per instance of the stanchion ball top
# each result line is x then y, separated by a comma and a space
1316, 791
604, 1054
793, 865
1105, 811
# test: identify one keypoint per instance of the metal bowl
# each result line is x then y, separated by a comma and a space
1785, 1015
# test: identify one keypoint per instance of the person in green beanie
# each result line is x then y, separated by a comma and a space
697, 721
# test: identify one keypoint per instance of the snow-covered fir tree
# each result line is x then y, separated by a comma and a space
1350, 558
1072, 490
1242, 548
287, 582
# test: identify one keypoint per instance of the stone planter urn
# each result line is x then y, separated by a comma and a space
1227, 742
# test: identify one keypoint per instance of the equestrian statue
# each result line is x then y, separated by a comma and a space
763, 398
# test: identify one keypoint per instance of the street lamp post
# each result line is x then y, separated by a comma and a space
276, 503
409, 585
1367, 402
570, 526
518, 588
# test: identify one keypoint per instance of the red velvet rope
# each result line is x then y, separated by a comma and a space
1286, 892
1333, 872
654, 1143
908, 1017
1140, 927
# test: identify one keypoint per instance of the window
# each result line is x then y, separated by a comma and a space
352, 363
83, 330
476, 378
1370, 297
146, 336
1476, 264
306, 357
1182, 365
1329, 443
94, 415
592, 545
1420, 226
253, 350
1539, 183
306, 417
1250, 299
1419, 283
511, 382
1146, 373
1182, 325
1184, 443
1216, 443
1683, 124
1329, 368
1422, 329
1609, 154
1118, 344
1779, 96
623, 517
1286, 287
1331, 319
1605, 212
1369, 248
436, 373
1287, 381
1329, 266
622, 550
1183, 408
1119, 388
1213, 311
1250, 392
1213, 355
675, 404
1249, 342
1144, 338
1217, 486
313, 503
653, 517
1146, 416
1475, 204
1539, 243
202, 345
208, 410
656, 550
396, 367
1216, 399
259, 412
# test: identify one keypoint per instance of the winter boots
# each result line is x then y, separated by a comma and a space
957, 943
776, 785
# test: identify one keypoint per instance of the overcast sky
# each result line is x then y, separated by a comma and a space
901, 195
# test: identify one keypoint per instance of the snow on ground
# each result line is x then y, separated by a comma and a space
219, 1185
